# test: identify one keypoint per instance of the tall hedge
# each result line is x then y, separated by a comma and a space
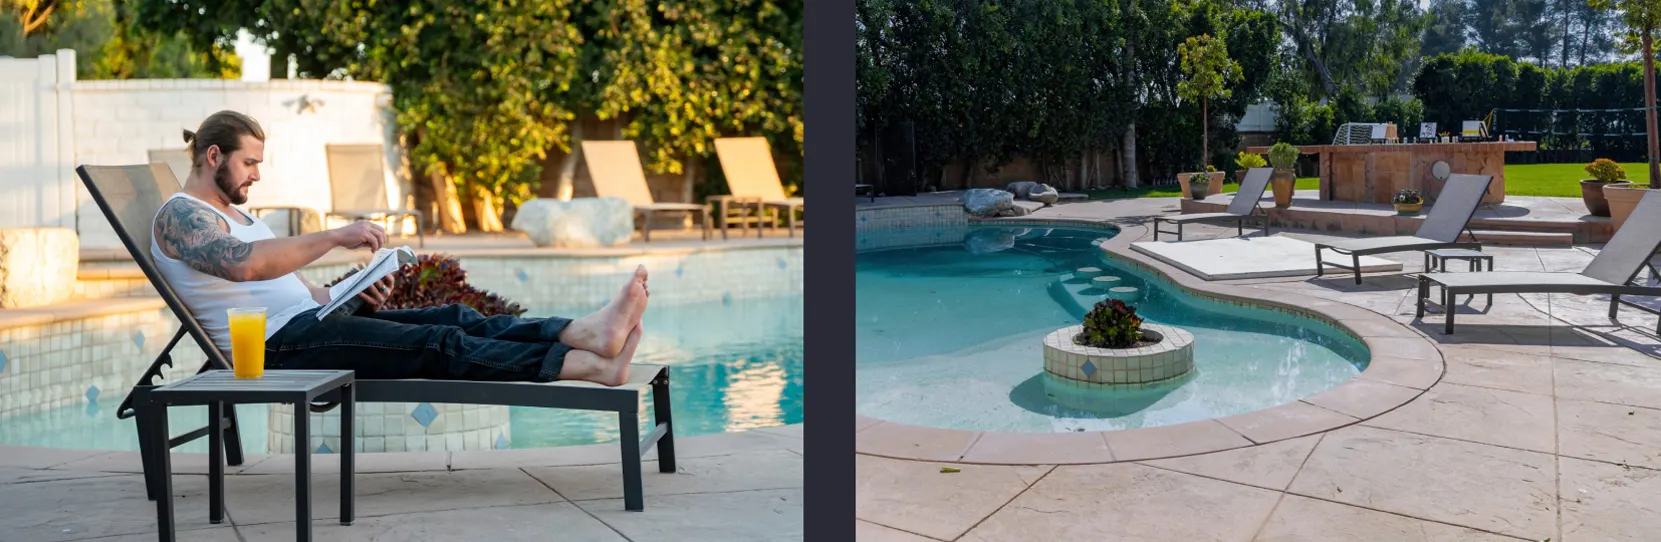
1468, 85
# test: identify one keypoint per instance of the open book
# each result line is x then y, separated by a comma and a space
345, 293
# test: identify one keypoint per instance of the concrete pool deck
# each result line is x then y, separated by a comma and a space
743, 486
1543, 422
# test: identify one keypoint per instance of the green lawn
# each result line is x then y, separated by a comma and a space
1170, 191
1558, 180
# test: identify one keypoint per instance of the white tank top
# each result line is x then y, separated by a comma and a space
207, 296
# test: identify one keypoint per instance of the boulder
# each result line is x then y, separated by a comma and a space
38, 266
1045, 194
578, 223
1021, 189
987, 202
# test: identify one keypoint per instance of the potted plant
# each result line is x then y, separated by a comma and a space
1623, 197
1284, 180
1200, 184
1408, 202
1114, 325
1603, 172
1247, 162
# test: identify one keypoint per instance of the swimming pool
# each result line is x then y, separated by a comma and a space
736, 364
949, 335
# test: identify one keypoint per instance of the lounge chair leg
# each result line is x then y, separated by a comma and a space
233, 437
1156, 230
1320, 268
1179, 231
628, 424
146, 425
1447, 309
1424, 292
1355, 259
1614, 305
662, 414
302, 471
1240, 227
163, 474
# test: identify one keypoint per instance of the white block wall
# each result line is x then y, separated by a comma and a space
119, 122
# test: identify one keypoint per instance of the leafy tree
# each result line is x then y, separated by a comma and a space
1209, 69
1641, 18
106, 43
1446, 31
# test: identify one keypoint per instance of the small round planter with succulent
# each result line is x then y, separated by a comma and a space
1200, 183
1284, 181
1115, 346
1246, 162
1604, 172
1408, 201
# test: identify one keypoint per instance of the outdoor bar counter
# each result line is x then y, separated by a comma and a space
1373, 173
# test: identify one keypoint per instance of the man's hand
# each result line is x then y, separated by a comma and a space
376, 294
360, 234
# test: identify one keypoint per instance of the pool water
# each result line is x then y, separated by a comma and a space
951, 335
734, 365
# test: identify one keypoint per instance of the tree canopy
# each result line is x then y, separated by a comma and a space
106, 42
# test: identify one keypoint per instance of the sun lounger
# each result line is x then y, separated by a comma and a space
751, 175
614, 168
1245, 206
357, 191
130, 196
1610, 273
1449, 217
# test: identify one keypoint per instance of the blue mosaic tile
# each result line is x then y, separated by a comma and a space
2, 361
501, 441
864, 218
324, 448
424, 414
92, 394
92, 410
680, 271
1089, 369
726, 298
523, 276
138, 338
783, 264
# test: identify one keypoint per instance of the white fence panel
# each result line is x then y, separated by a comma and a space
37, 153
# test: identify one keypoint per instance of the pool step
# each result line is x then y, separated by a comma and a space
1521, 238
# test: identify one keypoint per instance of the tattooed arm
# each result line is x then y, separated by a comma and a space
190, 232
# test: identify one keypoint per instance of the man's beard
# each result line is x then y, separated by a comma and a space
222, 177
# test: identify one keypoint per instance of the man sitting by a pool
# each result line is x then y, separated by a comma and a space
218, 257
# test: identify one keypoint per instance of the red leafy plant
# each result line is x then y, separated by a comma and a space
436, 280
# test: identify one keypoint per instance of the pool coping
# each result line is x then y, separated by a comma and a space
781, 437
1413, 365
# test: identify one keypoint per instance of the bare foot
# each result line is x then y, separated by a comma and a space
609, 371
605, 331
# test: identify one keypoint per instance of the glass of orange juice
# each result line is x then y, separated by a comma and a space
248, 341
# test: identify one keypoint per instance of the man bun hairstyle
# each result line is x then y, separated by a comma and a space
224, 130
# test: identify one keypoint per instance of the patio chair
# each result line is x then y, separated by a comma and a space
1449, 217
1611, 272
357, 189
614, 168
130, 197
177, 160
748, 165
1246, 205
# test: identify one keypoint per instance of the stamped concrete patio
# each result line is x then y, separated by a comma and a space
1542, 421
729, 487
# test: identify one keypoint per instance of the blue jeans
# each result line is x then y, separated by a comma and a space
452, 342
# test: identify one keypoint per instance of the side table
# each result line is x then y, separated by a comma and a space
1438, 259
220, 388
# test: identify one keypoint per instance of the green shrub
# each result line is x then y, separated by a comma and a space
1249, 161
1111, 324
1605, 170
1284, 155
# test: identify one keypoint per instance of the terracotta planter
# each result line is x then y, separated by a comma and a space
1182, 181
1239, 176
1591, 192
1284, 181
1623, 197
1408, 209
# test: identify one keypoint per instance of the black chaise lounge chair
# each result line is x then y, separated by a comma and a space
1611, 272
1246, 206
130, 196
1449, 217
